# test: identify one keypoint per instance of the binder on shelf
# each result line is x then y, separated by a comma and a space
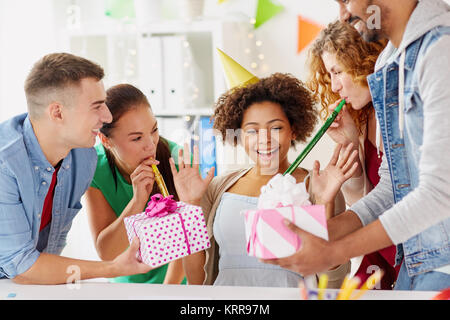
207, 146
151, 76
174, 96
183, 79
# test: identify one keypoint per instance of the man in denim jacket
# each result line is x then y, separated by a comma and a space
410, 207
51, 147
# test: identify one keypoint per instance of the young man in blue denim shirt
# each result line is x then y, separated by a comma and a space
410, 207
66, 107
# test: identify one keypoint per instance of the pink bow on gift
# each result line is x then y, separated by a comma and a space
159, 206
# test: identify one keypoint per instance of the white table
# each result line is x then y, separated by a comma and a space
91, 290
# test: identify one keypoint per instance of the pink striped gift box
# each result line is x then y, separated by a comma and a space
268, 237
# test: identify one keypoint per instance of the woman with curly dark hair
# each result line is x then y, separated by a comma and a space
266, 118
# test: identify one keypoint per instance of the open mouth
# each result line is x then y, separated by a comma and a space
95, 131
356, 23
267, 154
359, 26
353, 20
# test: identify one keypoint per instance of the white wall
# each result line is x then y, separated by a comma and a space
27, 32
279, 35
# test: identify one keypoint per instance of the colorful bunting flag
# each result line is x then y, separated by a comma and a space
119, 9
265, 10
307, 31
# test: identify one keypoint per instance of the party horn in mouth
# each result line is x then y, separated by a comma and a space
160, 181
316, 138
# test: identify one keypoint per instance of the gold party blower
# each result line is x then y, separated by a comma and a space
160, 181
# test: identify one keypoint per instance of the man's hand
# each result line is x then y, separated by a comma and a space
318, 255
315, 255
53, 269
127, 263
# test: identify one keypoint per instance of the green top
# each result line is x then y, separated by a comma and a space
118, 199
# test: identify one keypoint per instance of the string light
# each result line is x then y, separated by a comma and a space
264, 67
192, 91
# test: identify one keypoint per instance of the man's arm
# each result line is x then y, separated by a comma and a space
425, 206
307, 261
429, 203
53, 269
352, 233
20, 260
366, 210
378, 200
343, 224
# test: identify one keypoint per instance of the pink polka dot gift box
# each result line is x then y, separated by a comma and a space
168, 230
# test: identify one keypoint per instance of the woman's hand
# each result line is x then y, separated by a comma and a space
142, 180
343, 130
326, 184
188, 182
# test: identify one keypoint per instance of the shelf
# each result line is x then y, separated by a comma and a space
180, 26
160, 27
182, 113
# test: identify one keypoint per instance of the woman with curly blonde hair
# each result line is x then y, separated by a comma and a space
340, 61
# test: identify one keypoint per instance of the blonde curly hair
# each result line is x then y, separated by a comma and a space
357, 58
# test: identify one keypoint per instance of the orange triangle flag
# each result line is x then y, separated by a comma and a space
307, 32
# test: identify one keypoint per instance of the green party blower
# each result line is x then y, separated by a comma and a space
316, 138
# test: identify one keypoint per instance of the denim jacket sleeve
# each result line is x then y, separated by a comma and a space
377, 201
17, 249
429, 203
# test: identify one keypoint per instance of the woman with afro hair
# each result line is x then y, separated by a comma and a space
267, 118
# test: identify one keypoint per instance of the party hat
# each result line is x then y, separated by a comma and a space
235, 74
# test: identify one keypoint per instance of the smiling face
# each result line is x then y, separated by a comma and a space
266, 136
86, 115
342, 83
133, 139
368, 17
